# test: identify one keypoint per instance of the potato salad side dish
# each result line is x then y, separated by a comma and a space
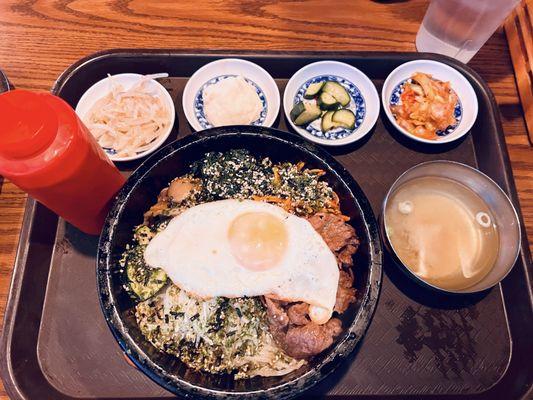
242, 266
231, 101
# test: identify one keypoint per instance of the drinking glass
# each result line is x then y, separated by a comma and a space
458, 28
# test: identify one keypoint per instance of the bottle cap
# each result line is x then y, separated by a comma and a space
28, 125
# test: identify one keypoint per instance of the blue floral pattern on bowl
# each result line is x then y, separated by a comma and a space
199, 101
110, 151
357, 106
458, 111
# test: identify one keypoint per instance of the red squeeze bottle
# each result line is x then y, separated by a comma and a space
47, 151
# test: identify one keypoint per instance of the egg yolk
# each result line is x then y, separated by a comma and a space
257, 240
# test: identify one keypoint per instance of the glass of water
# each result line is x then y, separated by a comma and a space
458, 28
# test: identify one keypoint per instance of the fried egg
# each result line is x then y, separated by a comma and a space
237, 248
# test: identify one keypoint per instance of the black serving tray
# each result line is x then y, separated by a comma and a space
56, 344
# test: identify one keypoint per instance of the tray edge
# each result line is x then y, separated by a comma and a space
71, 70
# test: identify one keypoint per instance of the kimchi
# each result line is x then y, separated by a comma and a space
427, 106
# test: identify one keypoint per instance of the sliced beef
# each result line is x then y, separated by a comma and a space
345, 256
277, 317
298, 314
307, 340
295, 333
338, 235
345, 292
289, 323
333, 229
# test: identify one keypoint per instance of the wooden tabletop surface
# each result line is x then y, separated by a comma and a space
39, 39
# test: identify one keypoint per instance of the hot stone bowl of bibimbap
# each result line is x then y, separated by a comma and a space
240, 262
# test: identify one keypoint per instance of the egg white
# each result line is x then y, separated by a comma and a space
195, 253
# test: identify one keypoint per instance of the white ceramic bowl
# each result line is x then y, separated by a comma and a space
102, 88
215, 71
364, 101
467, 109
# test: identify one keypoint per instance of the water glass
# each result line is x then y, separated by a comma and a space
458, 28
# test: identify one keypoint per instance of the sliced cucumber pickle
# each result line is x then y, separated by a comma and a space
326, 123
344, 118
338, 91
313, 90
310, 113
297, 109
327, 101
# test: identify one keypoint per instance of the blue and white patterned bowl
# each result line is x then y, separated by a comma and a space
364, 101
357, 106
214, 72
199, 101
395, 99
465, 111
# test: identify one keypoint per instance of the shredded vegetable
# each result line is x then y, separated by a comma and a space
216, 335
128, 121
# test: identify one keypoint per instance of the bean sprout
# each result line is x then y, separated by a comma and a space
128, 121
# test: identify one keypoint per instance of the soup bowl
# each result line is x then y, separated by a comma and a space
501, 208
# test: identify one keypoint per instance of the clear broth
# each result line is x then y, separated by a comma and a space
442, 231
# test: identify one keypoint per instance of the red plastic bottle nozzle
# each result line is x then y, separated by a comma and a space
28, 125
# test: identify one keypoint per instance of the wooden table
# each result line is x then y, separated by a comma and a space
39, 39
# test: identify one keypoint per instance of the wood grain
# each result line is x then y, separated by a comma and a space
519, 31
39, 39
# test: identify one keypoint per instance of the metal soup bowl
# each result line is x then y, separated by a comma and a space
501, 208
